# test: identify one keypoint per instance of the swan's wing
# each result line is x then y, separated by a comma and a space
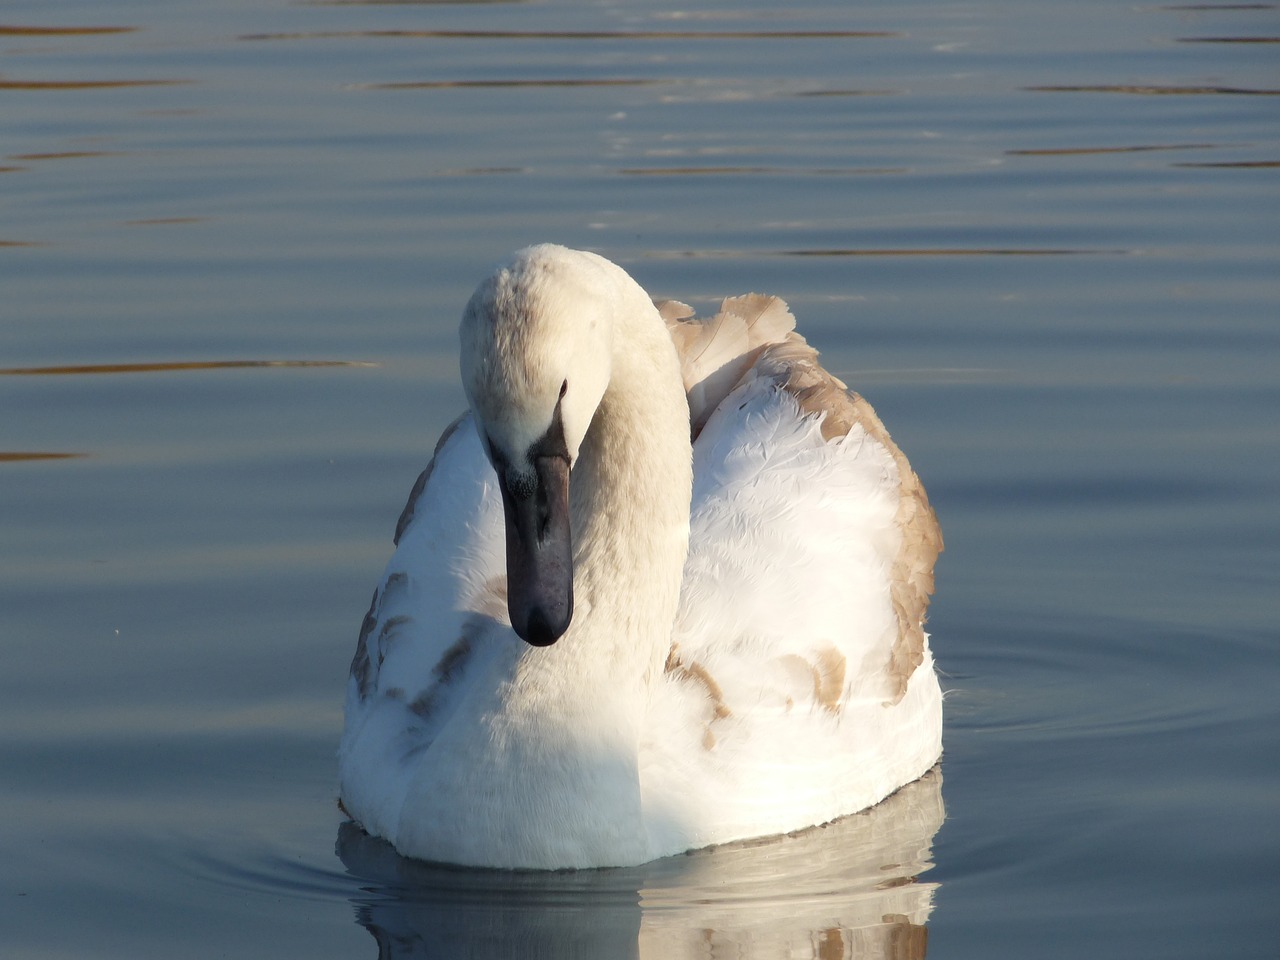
715, 353
799, 682
846, 418
443, 588
812, 540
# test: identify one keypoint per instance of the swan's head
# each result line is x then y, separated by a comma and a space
536, 352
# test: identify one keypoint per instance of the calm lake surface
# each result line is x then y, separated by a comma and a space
1042, 238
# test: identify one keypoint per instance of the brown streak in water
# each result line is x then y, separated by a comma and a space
944, 252
1156, 91
486, 84
398, 3
13, 456
1221, 6
845, 93
1241, 164
725, 171
163, 221
84, 84
20, 243
883, 252
481, 171
577, 35
1229, 39
1074, 151
64, 155
12, 31
180, 365
694, 171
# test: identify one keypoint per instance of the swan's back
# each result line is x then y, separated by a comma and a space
799, 685
752, 339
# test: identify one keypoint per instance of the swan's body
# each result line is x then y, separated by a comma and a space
740, 648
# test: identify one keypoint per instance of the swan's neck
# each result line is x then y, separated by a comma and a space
630, 501
629, 493
552, 751
565, 735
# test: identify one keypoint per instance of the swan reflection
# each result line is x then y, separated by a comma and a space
849, 889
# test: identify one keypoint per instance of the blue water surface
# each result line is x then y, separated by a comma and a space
235, 240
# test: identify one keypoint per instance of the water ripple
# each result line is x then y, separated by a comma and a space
503, 84
866, 863
13, 456
65, 155
84, 84
732, 254
758, 170
1241, 164
95, 368
23, 31
1228, 39
576, 35
1138, 148
1153, 90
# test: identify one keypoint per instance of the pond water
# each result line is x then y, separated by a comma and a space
1042, 238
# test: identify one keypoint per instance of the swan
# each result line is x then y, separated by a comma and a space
661, 587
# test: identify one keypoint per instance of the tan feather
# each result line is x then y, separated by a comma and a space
673, 310
715, 352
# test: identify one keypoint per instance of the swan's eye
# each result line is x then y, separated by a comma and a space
564, 388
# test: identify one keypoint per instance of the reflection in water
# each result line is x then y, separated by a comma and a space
169, 366
1082, 151
84, 84
849, 889
733, 254
64, 155
12, 31
162, 221
485, 84
577, 35
11, 456
1243, 164
403, 3
1228, 39
1150, 91
732, 171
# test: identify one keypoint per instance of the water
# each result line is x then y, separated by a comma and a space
1041, 238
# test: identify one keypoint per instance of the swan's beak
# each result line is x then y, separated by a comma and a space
539, 549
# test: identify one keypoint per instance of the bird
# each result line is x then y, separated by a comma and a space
663, 586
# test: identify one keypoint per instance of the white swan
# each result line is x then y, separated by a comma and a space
724, 637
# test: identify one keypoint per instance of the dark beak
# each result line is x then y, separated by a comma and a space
539, 545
